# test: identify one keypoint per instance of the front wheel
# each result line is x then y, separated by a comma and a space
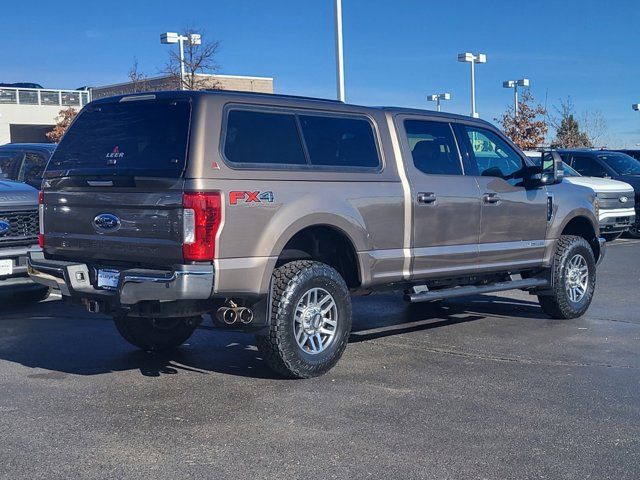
574, 279
310, 320
156, 334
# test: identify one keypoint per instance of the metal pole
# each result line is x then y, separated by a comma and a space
438, 103
515, 101
181, 43
339, 51
473, 89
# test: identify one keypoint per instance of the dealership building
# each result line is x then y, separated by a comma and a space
27, 114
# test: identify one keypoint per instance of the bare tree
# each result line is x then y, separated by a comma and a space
529, 128
138, 78
594, 125
65, 117
198, 59
567, 127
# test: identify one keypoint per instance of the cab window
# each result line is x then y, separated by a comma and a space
493, 156
10, 162
433, 147
33, 168
588, 167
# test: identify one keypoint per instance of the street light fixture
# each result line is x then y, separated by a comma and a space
173, 37
473, 59
523, 82
437, 97
636, 107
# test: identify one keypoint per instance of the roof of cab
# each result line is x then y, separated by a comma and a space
302, 100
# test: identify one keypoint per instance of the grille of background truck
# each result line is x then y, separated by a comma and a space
23, 227
611, 200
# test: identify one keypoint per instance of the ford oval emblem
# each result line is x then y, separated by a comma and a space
106, 222
5, 226
624, 199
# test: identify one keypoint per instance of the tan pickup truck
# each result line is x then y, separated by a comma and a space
269, 211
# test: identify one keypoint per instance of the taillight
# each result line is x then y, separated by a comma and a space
41, 219
200, 223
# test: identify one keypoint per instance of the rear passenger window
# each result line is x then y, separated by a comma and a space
339, 142
433, 147
263, 138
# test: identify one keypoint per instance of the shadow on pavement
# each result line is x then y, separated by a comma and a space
62, 338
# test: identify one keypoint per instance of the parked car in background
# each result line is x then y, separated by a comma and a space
25, 162
18, 232
617, 212
608, 164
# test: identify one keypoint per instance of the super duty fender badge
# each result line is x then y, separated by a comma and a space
237, 197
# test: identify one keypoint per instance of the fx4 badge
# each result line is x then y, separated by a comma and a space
237, 197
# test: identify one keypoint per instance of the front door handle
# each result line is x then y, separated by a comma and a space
491, 198
427, 198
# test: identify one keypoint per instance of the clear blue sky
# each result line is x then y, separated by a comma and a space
396, 51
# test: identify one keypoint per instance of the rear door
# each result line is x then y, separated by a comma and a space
113, 188
514, 218
446, 203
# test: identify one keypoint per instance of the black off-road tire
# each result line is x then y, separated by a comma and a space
156, 334
278, 347
558, 304
610, 237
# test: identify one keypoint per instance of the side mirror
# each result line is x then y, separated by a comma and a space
552, 169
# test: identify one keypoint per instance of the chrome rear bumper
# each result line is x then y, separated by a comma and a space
183, 282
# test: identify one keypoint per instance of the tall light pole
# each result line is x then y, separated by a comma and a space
473, 59
172, 37
523, 82
437, 97
339, 50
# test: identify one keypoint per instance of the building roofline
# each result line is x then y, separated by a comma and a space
164, 77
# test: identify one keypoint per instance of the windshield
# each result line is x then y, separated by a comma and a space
147, 138
621, 163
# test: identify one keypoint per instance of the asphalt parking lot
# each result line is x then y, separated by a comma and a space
483, 387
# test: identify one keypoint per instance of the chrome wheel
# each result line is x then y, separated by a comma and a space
577, 278
316, 321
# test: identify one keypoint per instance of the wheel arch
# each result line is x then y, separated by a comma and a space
326, 243
582, 226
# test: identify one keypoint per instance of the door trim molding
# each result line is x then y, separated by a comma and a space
406, 190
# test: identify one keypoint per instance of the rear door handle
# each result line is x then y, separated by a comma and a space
427, 198
491, 198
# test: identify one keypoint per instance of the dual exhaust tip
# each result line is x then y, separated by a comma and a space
231, 315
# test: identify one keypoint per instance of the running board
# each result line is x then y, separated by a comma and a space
475, 289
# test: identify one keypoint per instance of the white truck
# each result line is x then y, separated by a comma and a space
616, 199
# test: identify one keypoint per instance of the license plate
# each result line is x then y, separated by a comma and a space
108, 279
6, 267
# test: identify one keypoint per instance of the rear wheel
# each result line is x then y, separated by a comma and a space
156, 334
574, 279
610, 237
310, 320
